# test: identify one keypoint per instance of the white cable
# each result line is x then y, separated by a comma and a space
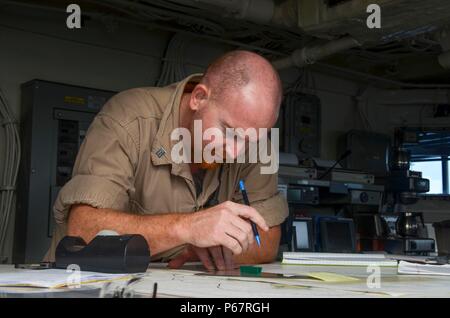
10, 168
173, 62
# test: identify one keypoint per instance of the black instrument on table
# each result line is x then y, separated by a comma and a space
107, 254
408, 224
406, 186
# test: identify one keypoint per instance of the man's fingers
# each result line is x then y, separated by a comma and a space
229, 259
249, 213
245, 227
204, 257
238, 235
217, 256
232, 244
179, 261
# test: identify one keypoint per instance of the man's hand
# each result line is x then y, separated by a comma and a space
223, 225
213, 258
270, 241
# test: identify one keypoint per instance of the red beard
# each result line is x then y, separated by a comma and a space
208, 166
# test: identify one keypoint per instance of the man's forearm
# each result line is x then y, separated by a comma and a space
161, 231
164, 231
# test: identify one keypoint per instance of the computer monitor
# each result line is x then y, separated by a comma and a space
337, 235
302, 236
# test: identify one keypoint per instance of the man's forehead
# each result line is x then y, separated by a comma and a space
248, 110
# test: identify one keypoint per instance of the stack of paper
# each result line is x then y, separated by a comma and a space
54, 278
423, 269
337, 259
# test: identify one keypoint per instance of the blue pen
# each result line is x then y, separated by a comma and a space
247, 202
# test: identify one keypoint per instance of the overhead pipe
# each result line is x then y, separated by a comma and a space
309, 55
257, 11
374, 78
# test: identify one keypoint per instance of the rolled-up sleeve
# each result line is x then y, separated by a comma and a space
263, 194
104, 170
274, 210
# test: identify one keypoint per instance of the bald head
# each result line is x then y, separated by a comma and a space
239, 90
246, 83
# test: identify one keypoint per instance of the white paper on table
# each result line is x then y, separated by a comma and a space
337, 259
423, 269
54, 278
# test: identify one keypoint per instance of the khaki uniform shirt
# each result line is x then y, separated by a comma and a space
124, 164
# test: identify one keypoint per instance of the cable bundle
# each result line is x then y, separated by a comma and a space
173, 65
10, 167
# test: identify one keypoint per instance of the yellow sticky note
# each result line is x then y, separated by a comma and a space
332, 277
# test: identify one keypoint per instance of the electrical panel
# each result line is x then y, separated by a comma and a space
301, 125
54, 123
370, 151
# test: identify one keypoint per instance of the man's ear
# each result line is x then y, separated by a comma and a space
199, 96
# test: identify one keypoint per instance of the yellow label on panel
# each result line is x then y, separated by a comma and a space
74, 100
305, 130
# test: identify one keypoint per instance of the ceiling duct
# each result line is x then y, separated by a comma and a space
400, 19
258, 11
309, 55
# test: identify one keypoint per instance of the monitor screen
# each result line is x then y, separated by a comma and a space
338, 236
302, 235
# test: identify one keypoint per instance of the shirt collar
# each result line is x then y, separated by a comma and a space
162, 145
